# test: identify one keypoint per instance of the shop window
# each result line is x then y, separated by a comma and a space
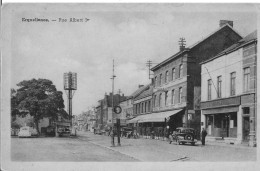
233, 118
246, 110
246, 79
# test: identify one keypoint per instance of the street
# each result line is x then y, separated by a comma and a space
89, 147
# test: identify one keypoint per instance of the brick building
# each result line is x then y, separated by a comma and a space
228, 102
177, 80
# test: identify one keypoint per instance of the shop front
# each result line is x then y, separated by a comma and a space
157, 125
222, 120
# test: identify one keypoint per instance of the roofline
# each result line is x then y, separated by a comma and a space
228, 52
170, 58
194, 45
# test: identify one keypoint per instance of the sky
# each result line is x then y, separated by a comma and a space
130, 34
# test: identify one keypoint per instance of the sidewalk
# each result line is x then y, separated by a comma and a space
158, 150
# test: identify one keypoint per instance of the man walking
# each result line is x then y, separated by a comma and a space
203, 136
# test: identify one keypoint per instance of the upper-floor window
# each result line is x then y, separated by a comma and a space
180, 94
154, 101
145, 107
173, 74
142, 108
155, 81
209, 89
173, 96
149, 106
136, 109
160, 79
166, 76
233, 83
219, 84
246, 79
181, 71
160, 100
166, 98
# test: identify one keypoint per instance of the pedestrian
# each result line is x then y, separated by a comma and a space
203, 136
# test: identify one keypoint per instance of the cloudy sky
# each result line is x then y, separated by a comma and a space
130, 34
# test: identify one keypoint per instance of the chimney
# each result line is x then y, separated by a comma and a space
182, 43
224, 22
139, 86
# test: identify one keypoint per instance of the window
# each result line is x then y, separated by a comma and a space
181, 71
155, 81
219, 86
149, 106
154, 101
173, 74
166, 98
160, 79
160, 100
180, 94
173, 96
136, 109
209, 89
246, 79
246, 110
166, 77
142, 108
145, 107
233, 83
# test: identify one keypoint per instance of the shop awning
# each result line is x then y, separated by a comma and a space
158, 117
135, 120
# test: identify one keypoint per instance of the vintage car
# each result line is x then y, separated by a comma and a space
63, 131
27, 131
183, 135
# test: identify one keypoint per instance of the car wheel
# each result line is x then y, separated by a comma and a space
188, 137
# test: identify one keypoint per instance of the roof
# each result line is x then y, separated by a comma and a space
140, 90
248, 39
145, 93
193, 46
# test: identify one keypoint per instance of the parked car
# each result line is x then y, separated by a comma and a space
63, 131
27, 131
184, 135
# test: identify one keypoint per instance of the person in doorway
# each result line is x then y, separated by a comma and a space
203, 136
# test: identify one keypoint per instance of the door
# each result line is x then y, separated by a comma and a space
246, 128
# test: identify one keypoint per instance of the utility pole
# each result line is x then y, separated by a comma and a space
112, 136
182, 44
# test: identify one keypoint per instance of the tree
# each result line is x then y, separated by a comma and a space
39, 98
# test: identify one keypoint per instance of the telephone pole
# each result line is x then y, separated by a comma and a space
112, 136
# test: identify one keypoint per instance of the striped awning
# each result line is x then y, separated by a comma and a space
154, 117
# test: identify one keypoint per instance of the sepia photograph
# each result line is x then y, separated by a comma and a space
130, 84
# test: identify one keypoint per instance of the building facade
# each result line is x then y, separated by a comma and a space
228, 102
127, 110
177, 80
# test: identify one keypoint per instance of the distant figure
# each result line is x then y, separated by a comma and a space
203, 136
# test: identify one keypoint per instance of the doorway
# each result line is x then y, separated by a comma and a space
246, 128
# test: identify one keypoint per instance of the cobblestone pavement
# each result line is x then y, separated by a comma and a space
158, 150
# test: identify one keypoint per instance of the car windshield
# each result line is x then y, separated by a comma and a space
187, 131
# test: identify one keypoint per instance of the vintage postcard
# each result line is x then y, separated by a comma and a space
149, 86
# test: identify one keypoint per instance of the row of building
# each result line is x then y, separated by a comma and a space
211, 85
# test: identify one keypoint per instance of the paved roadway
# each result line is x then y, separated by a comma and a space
90, 147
